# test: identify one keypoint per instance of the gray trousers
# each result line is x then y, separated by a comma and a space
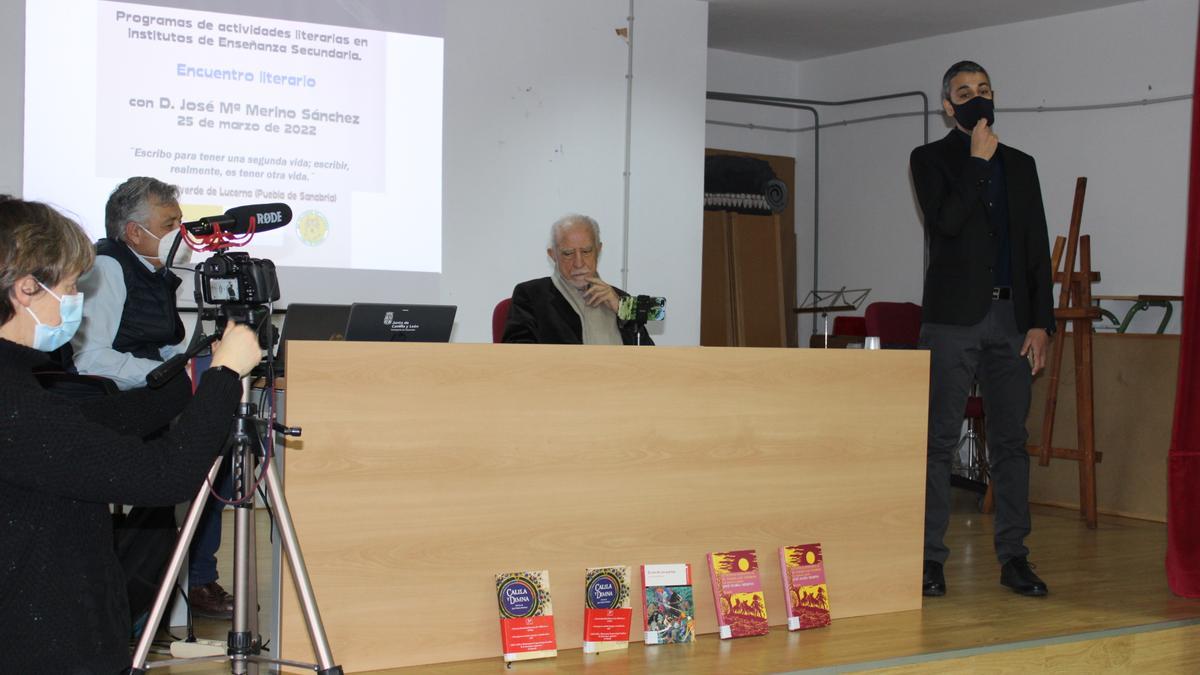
991, 351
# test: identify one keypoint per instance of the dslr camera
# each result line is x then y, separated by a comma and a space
236, 279
239, 288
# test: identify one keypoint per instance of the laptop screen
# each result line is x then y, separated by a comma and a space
371, 322
311, 322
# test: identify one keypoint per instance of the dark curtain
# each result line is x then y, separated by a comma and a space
1183, 465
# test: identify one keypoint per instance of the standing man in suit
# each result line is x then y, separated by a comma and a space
987, 312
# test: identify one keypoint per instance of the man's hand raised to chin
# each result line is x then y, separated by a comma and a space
599, 293
983, 141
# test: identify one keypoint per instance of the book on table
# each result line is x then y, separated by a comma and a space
737, 594
526, 615
607, 612
804, 587
669, 604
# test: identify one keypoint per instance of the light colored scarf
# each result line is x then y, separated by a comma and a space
599, 323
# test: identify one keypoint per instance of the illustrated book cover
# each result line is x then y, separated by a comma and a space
669, 604
803, 571
526, 615
737, 594
607, 612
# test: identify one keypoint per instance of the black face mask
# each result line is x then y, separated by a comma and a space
969, 113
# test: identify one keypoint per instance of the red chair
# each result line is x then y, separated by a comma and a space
850, 325
896, 324
499, 318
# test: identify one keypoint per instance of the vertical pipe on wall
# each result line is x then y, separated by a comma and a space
628, 149
816, 205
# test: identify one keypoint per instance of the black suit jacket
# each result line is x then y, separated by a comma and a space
951, 188
541, 314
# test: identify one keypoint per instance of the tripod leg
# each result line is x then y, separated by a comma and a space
172, 572
308, 600
244, 640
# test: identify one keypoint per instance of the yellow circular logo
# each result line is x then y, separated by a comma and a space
312, 227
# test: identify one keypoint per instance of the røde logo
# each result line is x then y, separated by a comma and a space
269, 218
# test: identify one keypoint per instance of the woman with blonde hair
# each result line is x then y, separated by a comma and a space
63, 606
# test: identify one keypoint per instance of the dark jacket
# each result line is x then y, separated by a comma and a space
540, 314
950, 187
63, 606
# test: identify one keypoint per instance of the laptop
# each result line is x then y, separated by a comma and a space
310, 322
378, 322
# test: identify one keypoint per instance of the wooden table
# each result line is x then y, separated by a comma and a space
425, 469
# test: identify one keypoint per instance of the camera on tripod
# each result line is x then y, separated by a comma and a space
237, 286
236, 279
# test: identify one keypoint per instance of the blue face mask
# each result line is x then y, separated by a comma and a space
70, 309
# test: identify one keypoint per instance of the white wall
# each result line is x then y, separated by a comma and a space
667, 197
535, 128
1136, 158
748, 74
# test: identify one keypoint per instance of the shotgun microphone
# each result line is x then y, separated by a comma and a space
237, 220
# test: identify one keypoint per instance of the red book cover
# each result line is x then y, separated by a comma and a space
607, 613
667, 592
526, 615
803, 571
737, 594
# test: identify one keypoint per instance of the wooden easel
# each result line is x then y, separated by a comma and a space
1074, 306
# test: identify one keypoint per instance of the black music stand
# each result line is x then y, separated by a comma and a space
826, 302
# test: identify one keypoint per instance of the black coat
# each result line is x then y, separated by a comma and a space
951, 187
540, 314
63, 607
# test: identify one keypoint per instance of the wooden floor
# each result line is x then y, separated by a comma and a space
1109, 610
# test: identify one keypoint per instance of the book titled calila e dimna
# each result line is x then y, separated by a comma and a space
607, 612
526, 615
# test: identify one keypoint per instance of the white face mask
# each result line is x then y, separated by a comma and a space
182, 255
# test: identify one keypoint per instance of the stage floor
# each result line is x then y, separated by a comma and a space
1108, 598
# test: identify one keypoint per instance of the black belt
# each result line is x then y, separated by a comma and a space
1001, 292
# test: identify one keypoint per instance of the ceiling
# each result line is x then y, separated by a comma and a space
798, 30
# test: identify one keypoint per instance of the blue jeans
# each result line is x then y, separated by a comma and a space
202, 554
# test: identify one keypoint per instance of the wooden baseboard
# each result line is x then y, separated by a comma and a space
1104, 512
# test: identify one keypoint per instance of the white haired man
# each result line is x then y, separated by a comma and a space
573, 305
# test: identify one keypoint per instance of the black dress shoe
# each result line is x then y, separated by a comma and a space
211, 601
933, 580
1018, 575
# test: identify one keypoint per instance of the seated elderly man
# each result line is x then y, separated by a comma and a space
573, 305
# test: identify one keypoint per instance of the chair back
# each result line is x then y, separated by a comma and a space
499, 318
850, 325
896, 324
